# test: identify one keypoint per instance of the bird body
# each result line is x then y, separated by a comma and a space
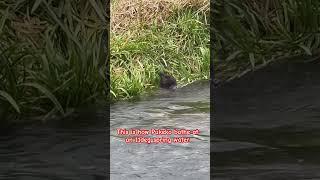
167, 81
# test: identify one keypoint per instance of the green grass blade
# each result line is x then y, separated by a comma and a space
35, 5
233, 55
9, 98
252, 60
48, 94
98, 10
306, 49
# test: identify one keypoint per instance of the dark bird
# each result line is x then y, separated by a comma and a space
167, 81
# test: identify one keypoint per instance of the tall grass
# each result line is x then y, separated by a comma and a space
250, 33
51, 57
179, 46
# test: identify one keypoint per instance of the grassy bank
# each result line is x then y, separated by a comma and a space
152, 36
248, 34
51, 57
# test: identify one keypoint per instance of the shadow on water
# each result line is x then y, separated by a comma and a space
68, 149
267, 124
75, 148
185, 108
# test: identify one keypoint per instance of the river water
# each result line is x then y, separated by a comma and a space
267, 124
76, 149
186, 108
69, 149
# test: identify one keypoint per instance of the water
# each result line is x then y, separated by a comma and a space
75, 148
267, 124
185, 108
56, 151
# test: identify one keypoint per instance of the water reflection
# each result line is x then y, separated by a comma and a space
58, 150
267, 124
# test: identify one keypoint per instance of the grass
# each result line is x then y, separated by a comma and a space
248, 34
51, 58
177, 42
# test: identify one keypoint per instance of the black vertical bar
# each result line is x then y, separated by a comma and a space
211, 88
106, 41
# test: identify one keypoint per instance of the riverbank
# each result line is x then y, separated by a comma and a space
152, 36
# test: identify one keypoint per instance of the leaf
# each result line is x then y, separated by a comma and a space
45, 64
49, 114
62, 25
48, 94
252, 60
165, 62
98, 11
306, 49
35, 5
3, 19
126, 92
233, 55
10, 100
